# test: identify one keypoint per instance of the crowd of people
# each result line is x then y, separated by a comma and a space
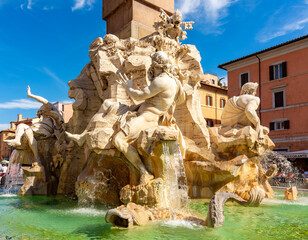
3, 170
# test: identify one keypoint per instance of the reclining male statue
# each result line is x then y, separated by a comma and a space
51, 124
241, 111
160, 98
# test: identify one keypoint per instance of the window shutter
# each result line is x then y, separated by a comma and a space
284, 69
279, 99
207, 100
286, 124
272, 126
271, 72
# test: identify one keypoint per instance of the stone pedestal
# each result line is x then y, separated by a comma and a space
290, 193
35, 181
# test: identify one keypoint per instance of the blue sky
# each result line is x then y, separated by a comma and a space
44, 43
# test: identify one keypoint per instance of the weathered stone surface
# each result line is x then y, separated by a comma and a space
101, 180
35, 181
132, 214
150, 194
291, 193
233, 142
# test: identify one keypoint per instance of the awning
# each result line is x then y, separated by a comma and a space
298, 154
4, 161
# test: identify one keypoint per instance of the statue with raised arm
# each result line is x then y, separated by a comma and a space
51, 124
159, 100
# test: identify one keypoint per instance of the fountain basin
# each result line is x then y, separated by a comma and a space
61, 218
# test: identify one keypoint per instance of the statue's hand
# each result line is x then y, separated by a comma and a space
125, 81
29, 90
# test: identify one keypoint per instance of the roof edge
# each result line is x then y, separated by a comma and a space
221, 66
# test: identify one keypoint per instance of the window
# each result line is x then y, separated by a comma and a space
278, 99
279, 125
277, 71
5, 148
222, 103
210, 123
279, 96
244, 78
209, 100
213, 81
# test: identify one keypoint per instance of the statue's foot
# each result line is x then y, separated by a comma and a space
78, 138
37, 163
145, 178
13, 142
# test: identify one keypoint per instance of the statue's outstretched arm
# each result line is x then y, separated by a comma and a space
37, 98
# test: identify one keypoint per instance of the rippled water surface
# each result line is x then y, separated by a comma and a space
61, 218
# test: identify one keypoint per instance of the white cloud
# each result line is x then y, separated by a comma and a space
4, 126
214, 10
286, 20
48, 8
79, 4
67, 101
20, 103
30, 3
54, 76
286, 29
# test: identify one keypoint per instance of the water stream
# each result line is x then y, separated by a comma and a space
13, 176
176, 190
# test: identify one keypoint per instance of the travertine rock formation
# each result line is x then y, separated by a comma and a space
291, 193
132, 214
138, 135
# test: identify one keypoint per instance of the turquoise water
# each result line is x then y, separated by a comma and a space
61, 218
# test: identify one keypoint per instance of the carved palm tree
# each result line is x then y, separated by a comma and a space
220, 81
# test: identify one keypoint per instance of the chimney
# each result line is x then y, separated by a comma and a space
19, 117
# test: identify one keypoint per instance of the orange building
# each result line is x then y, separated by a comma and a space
134, 18
65, 109
282, 74
5, 150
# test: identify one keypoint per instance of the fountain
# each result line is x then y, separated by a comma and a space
137, 140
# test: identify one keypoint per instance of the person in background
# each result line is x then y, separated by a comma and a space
3, 169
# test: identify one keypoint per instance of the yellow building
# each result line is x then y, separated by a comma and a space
213, 99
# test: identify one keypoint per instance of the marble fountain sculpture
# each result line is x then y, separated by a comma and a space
137, 138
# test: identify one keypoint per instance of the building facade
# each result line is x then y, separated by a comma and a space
134, 18
282, 74
65, 109
213, 99
5, 150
